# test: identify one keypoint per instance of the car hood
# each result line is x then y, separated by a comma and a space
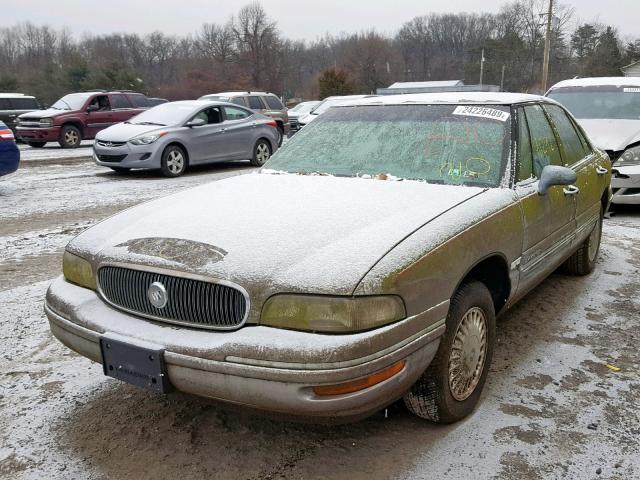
612, 134
48, 113
122, 132
273, 233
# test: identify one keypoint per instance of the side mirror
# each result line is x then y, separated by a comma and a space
196, 122
92, 108
555, 175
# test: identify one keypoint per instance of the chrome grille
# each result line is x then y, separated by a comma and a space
189, 302
104, 143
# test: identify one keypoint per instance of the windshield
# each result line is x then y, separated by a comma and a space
302, 107
450, 144
600, 101
326, 105
73, 101
164, 114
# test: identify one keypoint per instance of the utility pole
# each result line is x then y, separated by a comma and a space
547, 47
481, 66
502, 80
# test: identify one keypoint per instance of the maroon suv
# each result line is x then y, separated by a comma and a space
78, 116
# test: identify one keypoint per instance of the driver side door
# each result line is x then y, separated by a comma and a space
549, 220
206, 142
99, 115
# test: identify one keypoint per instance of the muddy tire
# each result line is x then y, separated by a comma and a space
261, 153
174, 161
583, 260
450, 388
37, 144
70, 137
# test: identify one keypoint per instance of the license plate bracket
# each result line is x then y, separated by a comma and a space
141, 365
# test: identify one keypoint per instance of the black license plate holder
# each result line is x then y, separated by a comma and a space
141, 365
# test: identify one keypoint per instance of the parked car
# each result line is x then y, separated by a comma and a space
300, 109
262, 102
608, 108
153, 101
78, 116
14, 104
366, 262
325, 105
9, 152
173, 136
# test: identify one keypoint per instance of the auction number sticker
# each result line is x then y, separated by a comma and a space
483, 112
631, 90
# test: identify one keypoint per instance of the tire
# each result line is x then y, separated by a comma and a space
174, 161
37, 144
583, 260
432, 397
70, 137
261, 153
280, 135
120, 169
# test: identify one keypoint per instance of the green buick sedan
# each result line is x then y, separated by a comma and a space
365, 263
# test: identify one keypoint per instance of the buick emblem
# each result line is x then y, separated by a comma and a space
157, 295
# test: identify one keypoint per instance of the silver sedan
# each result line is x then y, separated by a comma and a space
173, 136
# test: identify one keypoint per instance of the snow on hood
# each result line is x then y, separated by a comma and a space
274, 232
48, 113
612, 134
122, 132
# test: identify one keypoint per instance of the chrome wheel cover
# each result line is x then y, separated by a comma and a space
262, 153
594, 240
71, 137
468, 353
175, 162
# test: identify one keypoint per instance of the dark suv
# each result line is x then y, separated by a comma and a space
263, 102
14, 104
78, 116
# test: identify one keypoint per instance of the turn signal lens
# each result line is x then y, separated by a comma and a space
360, 384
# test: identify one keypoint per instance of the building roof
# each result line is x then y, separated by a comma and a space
429, 84
495, 98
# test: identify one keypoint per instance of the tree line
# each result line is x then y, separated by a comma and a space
248, 51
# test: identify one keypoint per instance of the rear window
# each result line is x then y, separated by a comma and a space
273, 102
24, 103
447, 144
139, 101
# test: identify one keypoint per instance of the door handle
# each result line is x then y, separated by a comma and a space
254, 124
222, 130
571, 190
601, 170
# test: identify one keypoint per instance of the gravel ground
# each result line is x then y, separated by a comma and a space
552, 408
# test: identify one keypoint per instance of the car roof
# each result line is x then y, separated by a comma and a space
13, 95
493, 98
202, 103
598, 81
246, 92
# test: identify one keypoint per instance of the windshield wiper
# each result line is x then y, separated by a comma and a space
150, 123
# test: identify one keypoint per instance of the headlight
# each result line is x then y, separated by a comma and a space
77, 270
147, 139
46, 122
631, 156
331, 314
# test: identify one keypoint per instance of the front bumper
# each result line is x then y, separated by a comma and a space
625, 183
127, 155
27, 134
255, 366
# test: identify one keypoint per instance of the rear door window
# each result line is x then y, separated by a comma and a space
255, 103
24, 104
233, 113
543, 141
4, 104
570, 144
119, 101
273, 102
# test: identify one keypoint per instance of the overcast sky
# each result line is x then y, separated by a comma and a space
302, 19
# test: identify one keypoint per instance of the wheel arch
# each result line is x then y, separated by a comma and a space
493, 272
74, 123
178, 143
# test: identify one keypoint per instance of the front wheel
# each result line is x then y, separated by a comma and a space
174, 161
261, 153
450, 388
583, 260
70, 137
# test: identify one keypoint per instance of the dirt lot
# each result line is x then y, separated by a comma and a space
552, 408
